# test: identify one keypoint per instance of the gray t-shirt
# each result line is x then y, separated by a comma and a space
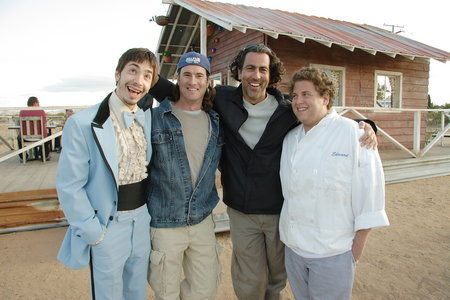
258, 116
196, 132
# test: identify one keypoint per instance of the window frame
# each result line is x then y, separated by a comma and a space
400, 87
215, 79
342, 86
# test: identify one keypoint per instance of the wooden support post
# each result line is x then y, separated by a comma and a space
442, 127
203, 37
416, 140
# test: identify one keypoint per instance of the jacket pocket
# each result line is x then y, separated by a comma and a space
162, 144
89, 230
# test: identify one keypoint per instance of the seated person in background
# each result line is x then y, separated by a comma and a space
68, 113
33, 102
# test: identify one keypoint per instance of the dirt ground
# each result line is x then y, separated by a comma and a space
408, 260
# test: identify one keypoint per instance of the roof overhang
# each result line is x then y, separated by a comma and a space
185, 33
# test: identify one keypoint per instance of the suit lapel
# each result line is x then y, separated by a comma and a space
105, 138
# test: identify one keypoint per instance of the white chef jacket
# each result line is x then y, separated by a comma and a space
332, 187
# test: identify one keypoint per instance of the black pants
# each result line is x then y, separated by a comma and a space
37, 151
58, 143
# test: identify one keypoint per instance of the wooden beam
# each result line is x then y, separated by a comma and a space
269, 33
410, 57
390, 54
416, 133
203, 36
301, 39
390, 138
29, 208
349, 48
325, 43
28, 195
242, 29
434, 140
371, 51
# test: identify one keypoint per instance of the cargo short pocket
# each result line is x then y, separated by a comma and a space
156, 277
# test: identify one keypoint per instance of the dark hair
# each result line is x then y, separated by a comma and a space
276, 68
322, 83
32, 101
139, 55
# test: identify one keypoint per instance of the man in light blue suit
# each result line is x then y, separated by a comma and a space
101, 184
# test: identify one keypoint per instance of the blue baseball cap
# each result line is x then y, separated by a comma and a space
194, 58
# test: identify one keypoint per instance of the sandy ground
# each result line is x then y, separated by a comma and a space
408, 260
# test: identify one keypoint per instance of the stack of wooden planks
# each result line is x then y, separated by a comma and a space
27, 208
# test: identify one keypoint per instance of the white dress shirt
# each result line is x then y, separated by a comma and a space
332, 187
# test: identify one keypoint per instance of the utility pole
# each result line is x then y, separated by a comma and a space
394, 26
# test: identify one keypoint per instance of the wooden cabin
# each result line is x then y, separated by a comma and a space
373, 68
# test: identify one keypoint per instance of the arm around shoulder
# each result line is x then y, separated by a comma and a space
163, 88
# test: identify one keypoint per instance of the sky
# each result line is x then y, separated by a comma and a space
65, 51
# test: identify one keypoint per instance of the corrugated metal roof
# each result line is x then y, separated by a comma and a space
183, 32
322, 30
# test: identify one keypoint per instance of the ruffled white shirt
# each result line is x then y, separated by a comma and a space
132, 145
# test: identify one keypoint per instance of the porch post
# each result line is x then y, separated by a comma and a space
203, 38
442, 127
416, 141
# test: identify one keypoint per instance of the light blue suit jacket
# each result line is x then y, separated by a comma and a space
87, 179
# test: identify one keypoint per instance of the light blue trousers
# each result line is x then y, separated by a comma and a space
120, 261
320, 278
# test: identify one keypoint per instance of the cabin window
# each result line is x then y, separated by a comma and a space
215, 79
337, 74
388, 89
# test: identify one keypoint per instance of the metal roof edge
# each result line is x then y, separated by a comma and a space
224, 24
227, 24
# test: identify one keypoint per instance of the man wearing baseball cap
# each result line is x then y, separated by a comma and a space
187, 145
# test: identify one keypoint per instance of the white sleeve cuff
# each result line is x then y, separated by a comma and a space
371, 220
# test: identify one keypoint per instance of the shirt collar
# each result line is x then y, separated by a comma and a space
331, 115
269, 100
117, 107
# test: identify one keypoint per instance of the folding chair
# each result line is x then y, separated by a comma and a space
32, 129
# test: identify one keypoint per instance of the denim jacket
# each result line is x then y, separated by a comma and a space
172, 199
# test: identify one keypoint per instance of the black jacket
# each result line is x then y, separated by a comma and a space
250, 178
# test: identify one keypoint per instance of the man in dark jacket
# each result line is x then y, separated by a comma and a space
255, 117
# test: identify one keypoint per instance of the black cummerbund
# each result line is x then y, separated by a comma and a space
131, 196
